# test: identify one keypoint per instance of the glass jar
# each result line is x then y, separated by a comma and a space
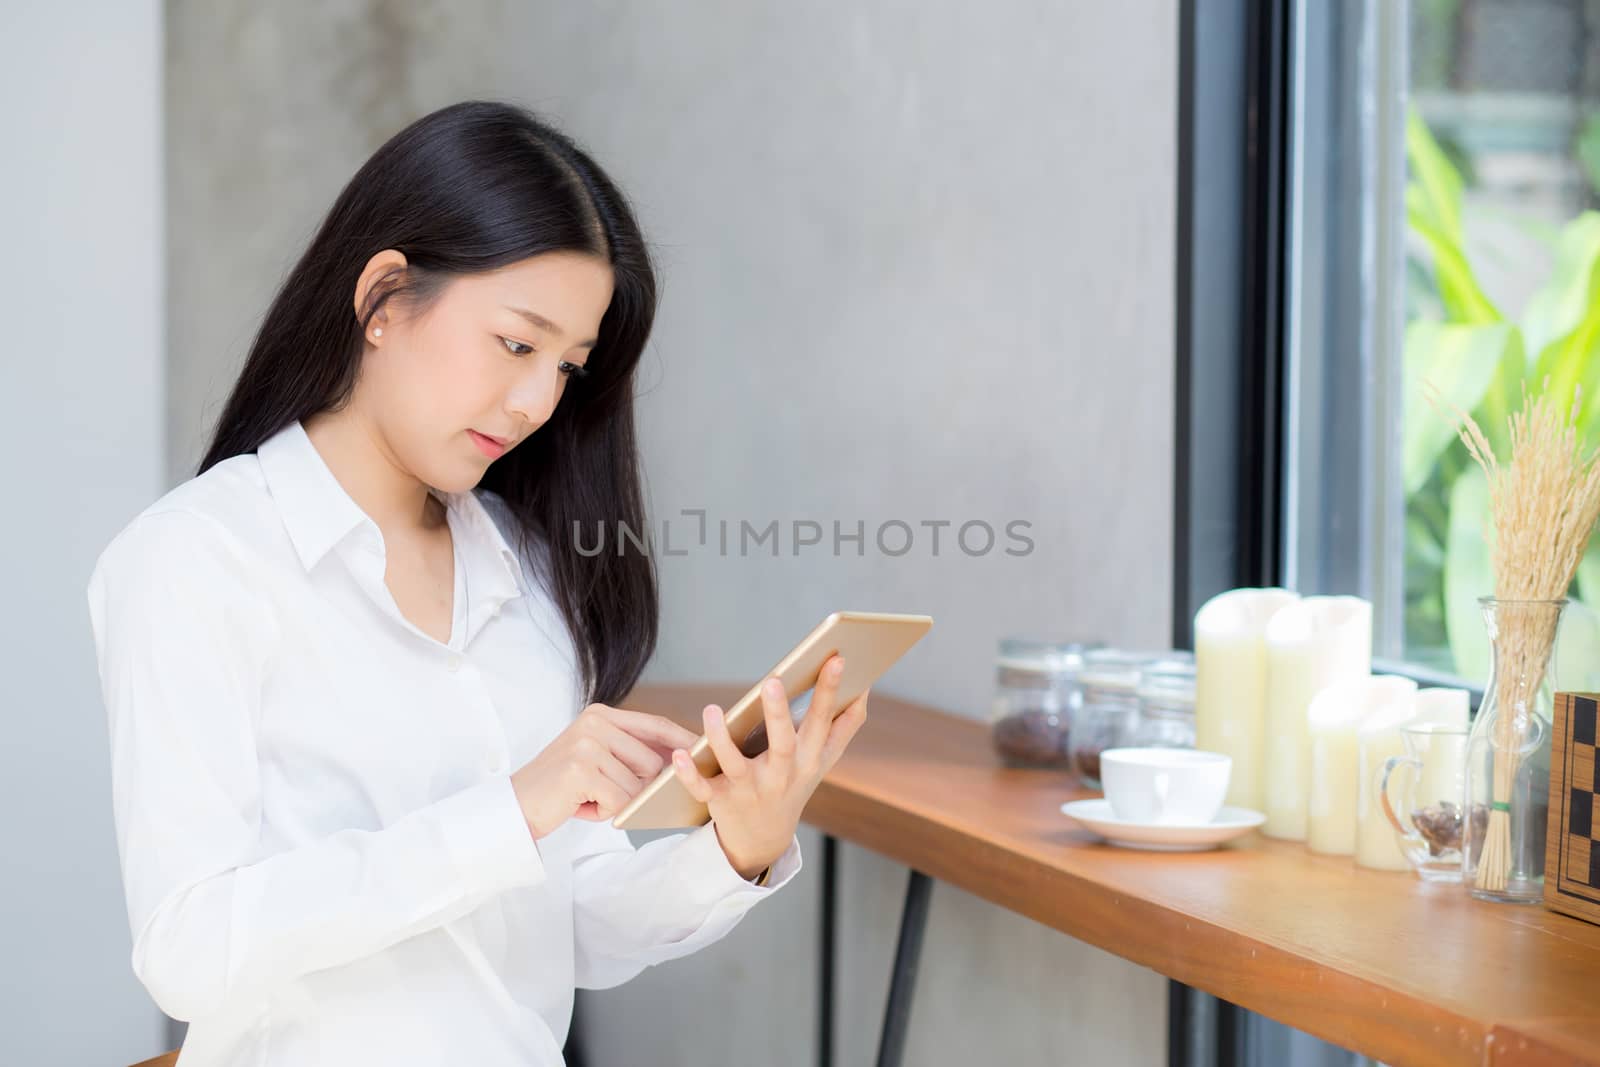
1110, 681
1507, 802
1166, 705
1036, 698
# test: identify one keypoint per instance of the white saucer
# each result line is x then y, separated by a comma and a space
1096, 814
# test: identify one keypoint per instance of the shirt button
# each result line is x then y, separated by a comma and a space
455, 663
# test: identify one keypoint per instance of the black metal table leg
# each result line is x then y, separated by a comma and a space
1233, 1041
913, 921
1180, 1017
1192, 1028
830, 848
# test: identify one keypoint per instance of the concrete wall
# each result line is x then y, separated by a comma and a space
81, 401
917, 265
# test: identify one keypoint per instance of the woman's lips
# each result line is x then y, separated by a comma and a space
487, 445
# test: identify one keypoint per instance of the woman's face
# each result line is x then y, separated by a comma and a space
474, 364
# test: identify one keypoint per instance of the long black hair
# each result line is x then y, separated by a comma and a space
473, 187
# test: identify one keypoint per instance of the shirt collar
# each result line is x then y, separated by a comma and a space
318, 513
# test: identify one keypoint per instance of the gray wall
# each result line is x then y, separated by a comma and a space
917, 264
81, 433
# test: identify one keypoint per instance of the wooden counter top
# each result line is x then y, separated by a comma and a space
1379, 962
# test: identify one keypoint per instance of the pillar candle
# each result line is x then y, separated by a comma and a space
1311, 645
1231, 683
1379, 739
1443, 774
1447, 707
1333, 722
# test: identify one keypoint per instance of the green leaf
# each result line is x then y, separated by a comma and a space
1460, 362
1503, 396
1468, 575
1433, 209
1464, 300
1588, 421
1589, 573
1572, 364
1588, 150
1436, 181
1423, 550
1571, 303
1562, 302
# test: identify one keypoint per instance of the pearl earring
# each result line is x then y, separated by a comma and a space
378, 332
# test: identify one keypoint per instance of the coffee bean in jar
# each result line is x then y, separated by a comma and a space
1440, 825
1034, 737
1036, 696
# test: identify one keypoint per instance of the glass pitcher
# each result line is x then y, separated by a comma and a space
1425, 805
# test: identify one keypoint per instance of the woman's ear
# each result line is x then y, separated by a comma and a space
381, 271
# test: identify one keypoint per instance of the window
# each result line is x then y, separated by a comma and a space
1373, 194
1443, 180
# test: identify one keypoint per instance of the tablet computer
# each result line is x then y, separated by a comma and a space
870, 643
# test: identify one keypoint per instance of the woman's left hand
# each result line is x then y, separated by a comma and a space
756, 802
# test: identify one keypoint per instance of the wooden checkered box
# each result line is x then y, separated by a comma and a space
1572, 848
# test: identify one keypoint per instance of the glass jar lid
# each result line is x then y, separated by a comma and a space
1055, 658
1115, 669
1168, 682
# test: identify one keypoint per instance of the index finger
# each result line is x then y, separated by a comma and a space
824, 703
775, 712
655, 728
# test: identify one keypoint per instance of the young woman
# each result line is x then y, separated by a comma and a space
361, 682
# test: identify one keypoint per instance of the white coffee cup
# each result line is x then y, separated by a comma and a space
1165, 785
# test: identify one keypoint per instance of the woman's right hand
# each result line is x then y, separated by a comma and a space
595, 766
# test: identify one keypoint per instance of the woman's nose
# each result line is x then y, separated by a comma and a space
535, 398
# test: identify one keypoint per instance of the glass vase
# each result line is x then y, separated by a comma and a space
1507, 798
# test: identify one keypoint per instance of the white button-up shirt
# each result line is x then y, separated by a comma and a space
323, 857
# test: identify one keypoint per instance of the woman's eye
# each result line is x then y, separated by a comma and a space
568, 370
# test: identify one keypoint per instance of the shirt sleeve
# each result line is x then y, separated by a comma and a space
183, 639
635, 907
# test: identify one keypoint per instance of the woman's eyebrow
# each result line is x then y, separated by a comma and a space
545, 324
